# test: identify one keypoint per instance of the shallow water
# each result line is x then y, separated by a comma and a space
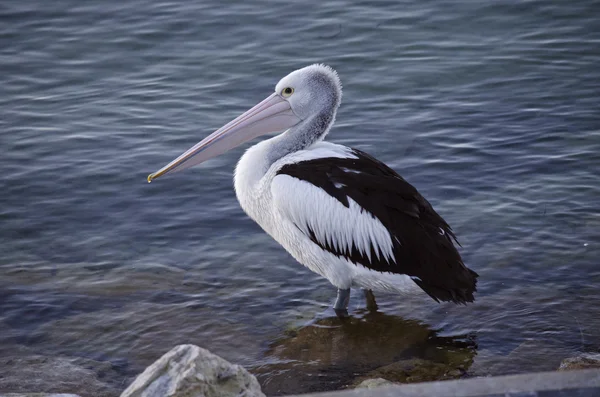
489, 109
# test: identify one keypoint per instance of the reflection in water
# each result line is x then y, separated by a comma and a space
332, 353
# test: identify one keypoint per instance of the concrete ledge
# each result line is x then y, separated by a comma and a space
582, 383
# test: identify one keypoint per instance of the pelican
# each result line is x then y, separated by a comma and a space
337, 210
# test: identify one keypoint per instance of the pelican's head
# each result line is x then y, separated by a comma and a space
298, 96
310, 90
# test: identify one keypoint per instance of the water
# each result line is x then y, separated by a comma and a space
490, 109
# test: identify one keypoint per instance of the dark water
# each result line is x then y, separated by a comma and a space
491, 109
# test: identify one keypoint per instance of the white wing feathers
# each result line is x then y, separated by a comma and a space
332, 224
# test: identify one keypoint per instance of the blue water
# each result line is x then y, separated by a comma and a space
491, 109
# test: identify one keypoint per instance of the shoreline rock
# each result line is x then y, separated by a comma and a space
189, 370
584, 361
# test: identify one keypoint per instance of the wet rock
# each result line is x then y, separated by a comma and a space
53, 375
417, 370
370, 341
373, 383
443, 360
580, 362
329, 353
188, 370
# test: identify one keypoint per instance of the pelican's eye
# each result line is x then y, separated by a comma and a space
287, 92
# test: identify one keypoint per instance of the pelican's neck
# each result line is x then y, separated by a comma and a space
301, 136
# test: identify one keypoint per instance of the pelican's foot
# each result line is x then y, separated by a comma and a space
341, 303
371, 303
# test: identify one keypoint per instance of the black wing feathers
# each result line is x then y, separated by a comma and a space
423, 242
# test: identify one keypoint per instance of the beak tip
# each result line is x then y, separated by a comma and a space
150, 178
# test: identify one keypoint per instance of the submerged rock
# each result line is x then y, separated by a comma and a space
416, 370
42, 374
189, 371
584, 361
332, 353
139, 332
450, 362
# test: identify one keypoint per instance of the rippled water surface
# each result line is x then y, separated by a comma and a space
491, 109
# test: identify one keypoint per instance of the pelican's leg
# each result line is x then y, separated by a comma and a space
342, 301
371, 303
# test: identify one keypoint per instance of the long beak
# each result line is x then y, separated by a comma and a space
271, 115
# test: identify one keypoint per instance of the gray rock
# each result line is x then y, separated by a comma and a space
190, 371
584, 361
373, 383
